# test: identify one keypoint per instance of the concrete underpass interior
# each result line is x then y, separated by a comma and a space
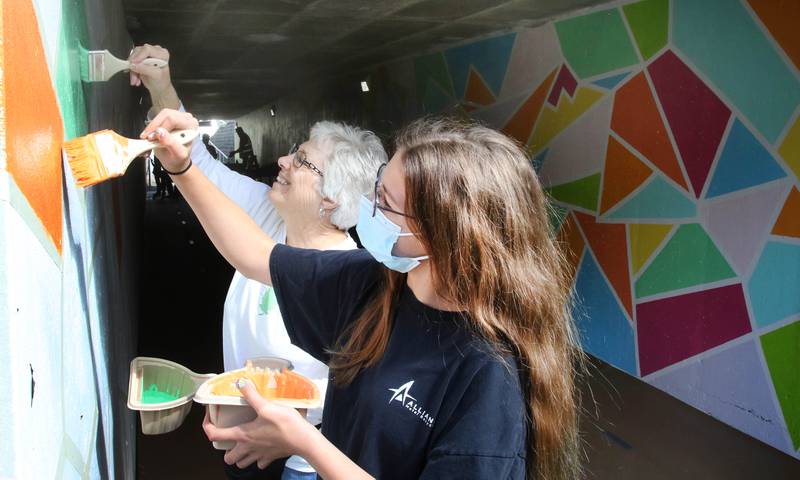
666, 134
236, 60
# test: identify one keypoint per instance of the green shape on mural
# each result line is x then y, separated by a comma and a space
690, 258
435, 100
432, 67
782, 353
581, 193
596, 43
556, 214
71, 53
649, 22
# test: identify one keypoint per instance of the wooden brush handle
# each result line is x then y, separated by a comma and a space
155, 62
138, 147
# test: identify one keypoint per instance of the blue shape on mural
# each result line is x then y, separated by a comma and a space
722, 41
744, 162
604, 328
658, 199
610, 82
774, 284
714, 384
488, 57
538, 160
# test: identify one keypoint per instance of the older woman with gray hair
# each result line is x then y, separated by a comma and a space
311, 204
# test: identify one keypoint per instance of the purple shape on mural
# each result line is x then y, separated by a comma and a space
564, 81
676, 328
695, 114
731, 386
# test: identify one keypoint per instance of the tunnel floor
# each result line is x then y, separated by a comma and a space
631, 430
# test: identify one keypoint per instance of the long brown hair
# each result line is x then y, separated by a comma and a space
482, 215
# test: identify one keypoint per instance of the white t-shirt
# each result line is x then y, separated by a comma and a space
252, 325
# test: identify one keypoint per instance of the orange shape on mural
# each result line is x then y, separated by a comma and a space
34, 129
609, 242
622, 175
780, 18
477, 92
637, 120
571, 241
521, 124
788, 223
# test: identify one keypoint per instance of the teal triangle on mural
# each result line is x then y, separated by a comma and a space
657, 200
435, 99
581, 193
744, 163
556, 214
610, 82
488, 57
690, 258
538, 160
432, 67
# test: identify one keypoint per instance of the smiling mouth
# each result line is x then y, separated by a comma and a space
281, 181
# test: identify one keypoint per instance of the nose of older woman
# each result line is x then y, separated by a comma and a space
284, 162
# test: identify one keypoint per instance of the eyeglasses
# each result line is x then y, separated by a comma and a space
299, 160
377, 196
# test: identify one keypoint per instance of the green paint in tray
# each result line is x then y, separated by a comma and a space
154, 395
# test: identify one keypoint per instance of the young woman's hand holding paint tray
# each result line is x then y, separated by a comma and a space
228, 407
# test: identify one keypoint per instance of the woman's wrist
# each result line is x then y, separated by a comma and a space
308, 440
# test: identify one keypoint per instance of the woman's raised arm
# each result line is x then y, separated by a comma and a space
234, 233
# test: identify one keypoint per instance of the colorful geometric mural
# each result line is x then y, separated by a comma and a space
667, 135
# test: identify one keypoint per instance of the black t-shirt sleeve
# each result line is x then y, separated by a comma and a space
482, 432
321, 292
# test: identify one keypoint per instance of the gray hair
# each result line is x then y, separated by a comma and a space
353, 161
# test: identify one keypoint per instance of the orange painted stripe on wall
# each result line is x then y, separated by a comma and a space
34, 129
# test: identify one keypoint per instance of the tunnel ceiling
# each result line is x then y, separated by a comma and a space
228, 57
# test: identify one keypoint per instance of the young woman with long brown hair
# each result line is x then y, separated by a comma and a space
451, 347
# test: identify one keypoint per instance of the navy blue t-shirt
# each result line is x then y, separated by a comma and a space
438, 404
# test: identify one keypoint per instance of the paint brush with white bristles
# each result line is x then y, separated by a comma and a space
105, 154
102, 65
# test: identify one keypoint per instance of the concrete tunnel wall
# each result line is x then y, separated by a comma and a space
667, 135
68, 257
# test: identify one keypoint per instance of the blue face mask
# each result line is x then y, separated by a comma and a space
378, 234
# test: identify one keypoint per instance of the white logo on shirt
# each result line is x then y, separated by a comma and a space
402, 395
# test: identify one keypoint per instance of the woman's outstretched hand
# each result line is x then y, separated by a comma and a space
277, 432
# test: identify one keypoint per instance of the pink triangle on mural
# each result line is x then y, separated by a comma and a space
564, 82
739, 223
696, 116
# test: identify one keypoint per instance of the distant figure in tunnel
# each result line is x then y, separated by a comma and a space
245, 150
212, 150
452, 349
163, 182
311, 204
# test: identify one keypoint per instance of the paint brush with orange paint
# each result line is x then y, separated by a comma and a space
105, 154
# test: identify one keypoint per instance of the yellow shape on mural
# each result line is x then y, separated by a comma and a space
554, 120
644, 239
790, 148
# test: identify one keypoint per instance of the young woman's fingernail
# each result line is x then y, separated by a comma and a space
241, 383
151, 136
